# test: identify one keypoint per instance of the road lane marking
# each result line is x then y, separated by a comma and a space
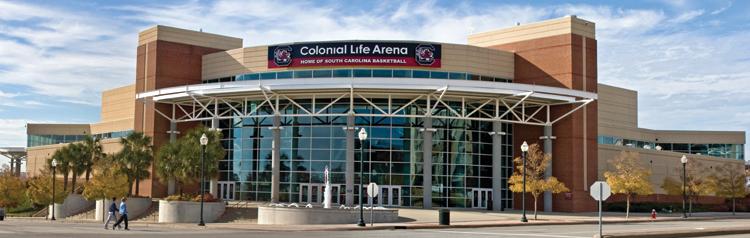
509, 234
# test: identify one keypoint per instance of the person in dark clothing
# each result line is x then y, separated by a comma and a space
123, 215
111, 213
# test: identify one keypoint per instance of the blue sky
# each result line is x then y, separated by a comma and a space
688, 60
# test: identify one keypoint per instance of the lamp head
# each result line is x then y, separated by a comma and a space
362, 134
204, 139
684, 159
54, 163
525, 147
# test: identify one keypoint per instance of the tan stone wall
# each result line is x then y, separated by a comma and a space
536, 30
455, 58
37, 156
117, 103
618, 106
188, 37
57, 129
662, 163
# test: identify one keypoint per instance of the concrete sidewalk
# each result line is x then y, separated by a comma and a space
460, 218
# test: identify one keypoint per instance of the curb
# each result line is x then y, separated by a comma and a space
691, 233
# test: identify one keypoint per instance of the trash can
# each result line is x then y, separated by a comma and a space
445, 217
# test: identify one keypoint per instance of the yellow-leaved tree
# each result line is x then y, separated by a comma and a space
536, 163
731, 182
40, 188
108, 181
699, 182
629, 177
11, 189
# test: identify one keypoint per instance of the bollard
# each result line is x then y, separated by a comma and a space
445, 217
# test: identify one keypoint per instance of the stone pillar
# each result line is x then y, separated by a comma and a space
213, 187
547, 173
275, 159
171, 183
349, 176
427, 163
497, 166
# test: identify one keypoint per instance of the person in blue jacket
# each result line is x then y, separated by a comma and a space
111, 213
123, 215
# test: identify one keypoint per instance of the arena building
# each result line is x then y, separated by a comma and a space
444, 120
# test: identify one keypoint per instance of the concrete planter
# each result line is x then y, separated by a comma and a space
302, 216
189, 212
73, 204
136, 207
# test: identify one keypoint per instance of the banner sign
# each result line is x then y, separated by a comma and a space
355, 53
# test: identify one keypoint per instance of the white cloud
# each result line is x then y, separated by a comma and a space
687, 16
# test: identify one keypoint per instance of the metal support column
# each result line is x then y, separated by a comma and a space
171, 183
349, 176
497, 166
427, 163
275, 158
547, 138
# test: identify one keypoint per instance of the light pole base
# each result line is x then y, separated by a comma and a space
201, 223
361, 223
523, 219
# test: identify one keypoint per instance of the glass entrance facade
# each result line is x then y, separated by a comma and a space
461, 157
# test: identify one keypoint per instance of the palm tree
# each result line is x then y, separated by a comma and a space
78, 162
93, 152
63, 164
135, 158
169, 166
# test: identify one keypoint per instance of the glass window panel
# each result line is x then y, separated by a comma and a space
342, 73
397, 73
268, 75
284, 75
459, 76
322, 74
421, 74
438, 75
362, 73
383, 73
303, 74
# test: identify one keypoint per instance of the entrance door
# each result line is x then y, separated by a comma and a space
480, 197
313, 193
388, 196
226, 190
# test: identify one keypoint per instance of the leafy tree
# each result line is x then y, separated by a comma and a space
40, 189
699, 182
731, 182
135, 158
11, 189
536, 163
181, 159
629, 177
108, 181
93, 152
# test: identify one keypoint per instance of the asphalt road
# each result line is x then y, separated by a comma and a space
21, 228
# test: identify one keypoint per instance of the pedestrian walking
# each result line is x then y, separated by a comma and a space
653, 214
123, 215
111, 214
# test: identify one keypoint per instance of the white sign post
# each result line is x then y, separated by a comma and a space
372, 190
600, 191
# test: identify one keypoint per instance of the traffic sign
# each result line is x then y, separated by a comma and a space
600, 191
373, 190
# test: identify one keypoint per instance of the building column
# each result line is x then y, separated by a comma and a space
275, 158
349, 176
427, 163
171, 183
497, 166
214, 182
548, 173
12, 165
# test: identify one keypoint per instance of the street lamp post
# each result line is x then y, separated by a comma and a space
524, 149
54, 165
684, 161
204, 142
362, 137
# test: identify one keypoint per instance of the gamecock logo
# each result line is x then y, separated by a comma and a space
282, 55
425, 54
